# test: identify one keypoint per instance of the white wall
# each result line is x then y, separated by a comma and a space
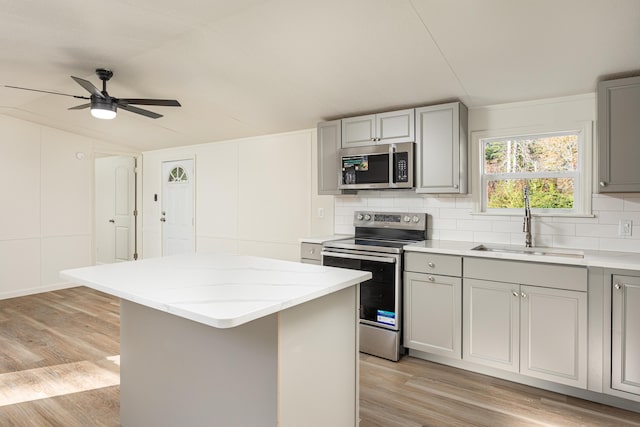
46, 215
254, 196
451, 218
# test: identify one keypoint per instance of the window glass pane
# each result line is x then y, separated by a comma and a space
531, 154
545, 193
178, 175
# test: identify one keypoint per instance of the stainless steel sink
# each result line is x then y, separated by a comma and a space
530, 251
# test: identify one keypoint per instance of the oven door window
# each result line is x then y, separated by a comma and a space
378, 294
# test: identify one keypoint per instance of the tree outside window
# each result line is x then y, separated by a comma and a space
547, 163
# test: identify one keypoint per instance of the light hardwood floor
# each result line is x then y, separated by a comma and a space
59, 366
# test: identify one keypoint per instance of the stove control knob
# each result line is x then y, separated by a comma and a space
416, 218
360, 216
406, 218
367, 217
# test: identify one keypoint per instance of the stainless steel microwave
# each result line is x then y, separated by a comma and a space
377, 166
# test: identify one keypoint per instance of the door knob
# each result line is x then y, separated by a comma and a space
618, 286
112, 221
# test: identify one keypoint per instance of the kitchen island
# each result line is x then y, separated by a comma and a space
233, 340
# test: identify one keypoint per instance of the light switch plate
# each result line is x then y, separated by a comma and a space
624, 227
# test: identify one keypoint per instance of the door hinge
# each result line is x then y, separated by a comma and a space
135, 212
135, 256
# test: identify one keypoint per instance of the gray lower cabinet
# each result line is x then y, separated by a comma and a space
433, 304
619, 135
625, 316
329, 141
491, 324
538, 331
311, 253
433, 312
441, 148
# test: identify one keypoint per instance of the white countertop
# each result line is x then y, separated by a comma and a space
605, 259
320, 240
222, 291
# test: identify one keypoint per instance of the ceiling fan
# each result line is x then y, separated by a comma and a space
105, 106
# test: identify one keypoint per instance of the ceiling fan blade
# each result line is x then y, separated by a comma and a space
89, 87
80, 107
139, 101
46, 91
137, 110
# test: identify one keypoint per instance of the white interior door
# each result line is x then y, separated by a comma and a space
178, 222
115, 206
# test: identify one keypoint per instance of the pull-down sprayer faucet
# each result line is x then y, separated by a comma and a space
526, 226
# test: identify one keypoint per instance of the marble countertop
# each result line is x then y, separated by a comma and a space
222, 291
605, 259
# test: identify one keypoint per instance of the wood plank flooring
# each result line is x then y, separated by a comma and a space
59, 366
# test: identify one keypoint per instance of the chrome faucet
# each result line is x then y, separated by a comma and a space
526, 226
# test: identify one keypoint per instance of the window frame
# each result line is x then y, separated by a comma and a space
582, 176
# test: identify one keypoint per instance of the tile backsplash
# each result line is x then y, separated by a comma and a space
449, 217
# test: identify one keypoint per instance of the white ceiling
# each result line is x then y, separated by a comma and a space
252, 67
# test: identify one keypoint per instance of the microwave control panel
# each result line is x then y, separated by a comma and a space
401, 167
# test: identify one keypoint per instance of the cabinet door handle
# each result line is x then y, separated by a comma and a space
430, 278
603, 184
618, 286
432, 265
524, 295
515, 294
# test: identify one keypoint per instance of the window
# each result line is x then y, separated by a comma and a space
178, 175
553, 165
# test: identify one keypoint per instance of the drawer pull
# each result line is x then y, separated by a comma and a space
618, 286
430, 278
515, 294
432, 265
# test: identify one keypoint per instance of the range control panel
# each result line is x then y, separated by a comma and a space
404, 220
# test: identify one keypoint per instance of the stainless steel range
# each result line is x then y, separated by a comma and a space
377, 248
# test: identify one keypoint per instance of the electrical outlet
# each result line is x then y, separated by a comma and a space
624, 227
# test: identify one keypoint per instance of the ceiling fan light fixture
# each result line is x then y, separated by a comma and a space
103, 109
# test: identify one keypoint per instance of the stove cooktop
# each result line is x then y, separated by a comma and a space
383, 232
375, 245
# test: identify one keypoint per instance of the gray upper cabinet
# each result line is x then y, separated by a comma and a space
384, 128
441, 148
619, 135
329, 140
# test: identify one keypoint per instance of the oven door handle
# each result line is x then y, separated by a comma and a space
360, 257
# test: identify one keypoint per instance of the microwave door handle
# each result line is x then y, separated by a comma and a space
392, 162
360, 257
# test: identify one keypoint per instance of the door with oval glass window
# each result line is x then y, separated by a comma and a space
177, 216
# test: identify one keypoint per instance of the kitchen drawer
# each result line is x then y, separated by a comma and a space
310, 251
557, 276
420, 262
